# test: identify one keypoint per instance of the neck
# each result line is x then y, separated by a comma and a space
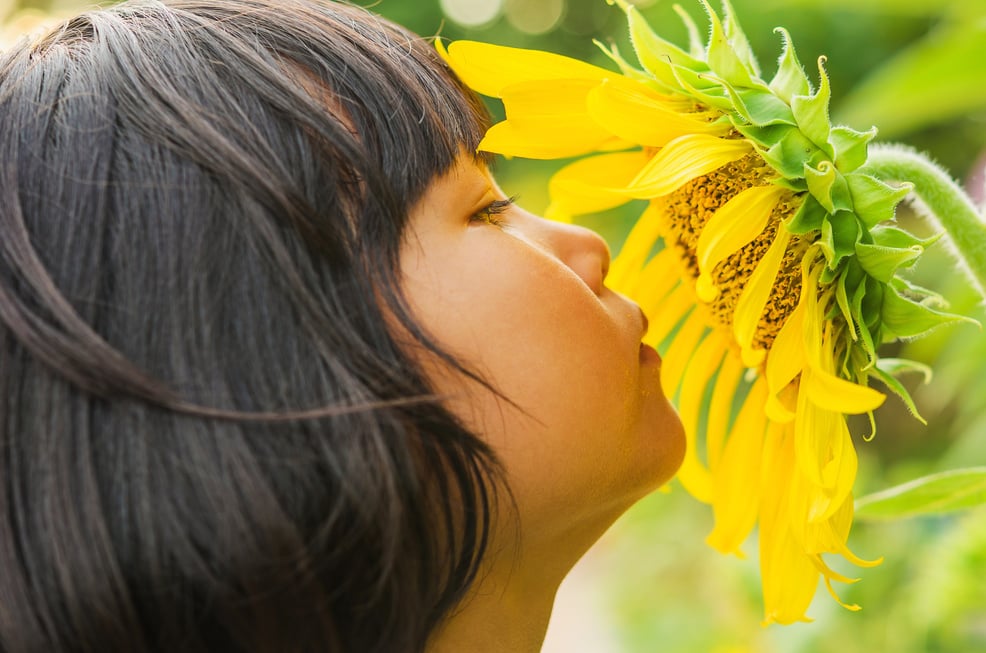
509, 606
504, 612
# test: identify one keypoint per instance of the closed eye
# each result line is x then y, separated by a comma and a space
490, 212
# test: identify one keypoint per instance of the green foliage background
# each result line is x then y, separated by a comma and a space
917, 70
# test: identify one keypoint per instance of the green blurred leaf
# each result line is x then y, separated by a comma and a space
936, 80
930, 495
889, 7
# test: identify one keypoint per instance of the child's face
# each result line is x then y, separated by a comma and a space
524, 304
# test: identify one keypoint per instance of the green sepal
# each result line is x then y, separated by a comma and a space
696, 47
845, 306
846, 287
885, 371
840, 234
812, 112
809, 217
766, 136
865, 325
626, 68
902, 318
791, 154
920, 294
724, 61
873, 200
882, 263
890, 236
762, 108
790, 79
828, 186
850, 147
704, 87
655, 54
738, 39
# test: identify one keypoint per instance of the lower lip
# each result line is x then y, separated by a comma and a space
648, 354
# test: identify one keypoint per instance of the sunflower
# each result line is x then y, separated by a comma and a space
768, 258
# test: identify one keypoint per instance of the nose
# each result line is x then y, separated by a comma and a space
581, 249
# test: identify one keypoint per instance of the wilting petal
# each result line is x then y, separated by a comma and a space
684, 159
735, 224
826, 389
784, 362
825, 457
753, 298
489, 68
634, 112
789, 577
586, 186
736, 482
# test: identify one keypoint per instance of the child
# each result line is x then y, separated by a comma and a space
281, 367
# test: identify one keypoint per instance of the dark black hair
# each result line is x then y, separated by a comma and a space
213, 434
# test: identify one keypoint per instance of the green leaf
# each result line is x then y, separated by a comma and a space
936, 494
939, 79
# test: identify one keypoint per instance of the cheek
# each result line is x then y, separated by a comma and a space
534, 330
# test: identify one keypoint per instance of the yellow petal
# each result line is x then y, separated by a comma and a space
544, 137
634, 112
825, 456
684, 159
786, 358
547, 97
489, 68
830, 391
736, 483
721, 407
631, 265
694, 476
586, 185
735, 224
680, 351
789, 577
753, 298
666, 313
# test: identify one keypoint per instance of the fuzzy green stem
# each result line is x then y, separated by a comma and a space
941, 200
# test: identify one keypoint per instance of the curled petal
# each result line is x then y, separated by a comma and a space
735, 224
684, 159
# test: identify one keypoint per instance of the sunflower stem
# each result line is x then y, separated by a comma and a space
940, 200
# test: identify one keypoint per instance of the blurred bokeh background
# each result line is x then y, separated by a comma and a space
917, 70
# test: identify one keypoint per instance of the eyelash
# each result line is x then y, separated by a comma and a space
489, 212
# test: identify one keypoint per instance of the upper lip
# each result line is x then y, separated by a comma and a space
646, 322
